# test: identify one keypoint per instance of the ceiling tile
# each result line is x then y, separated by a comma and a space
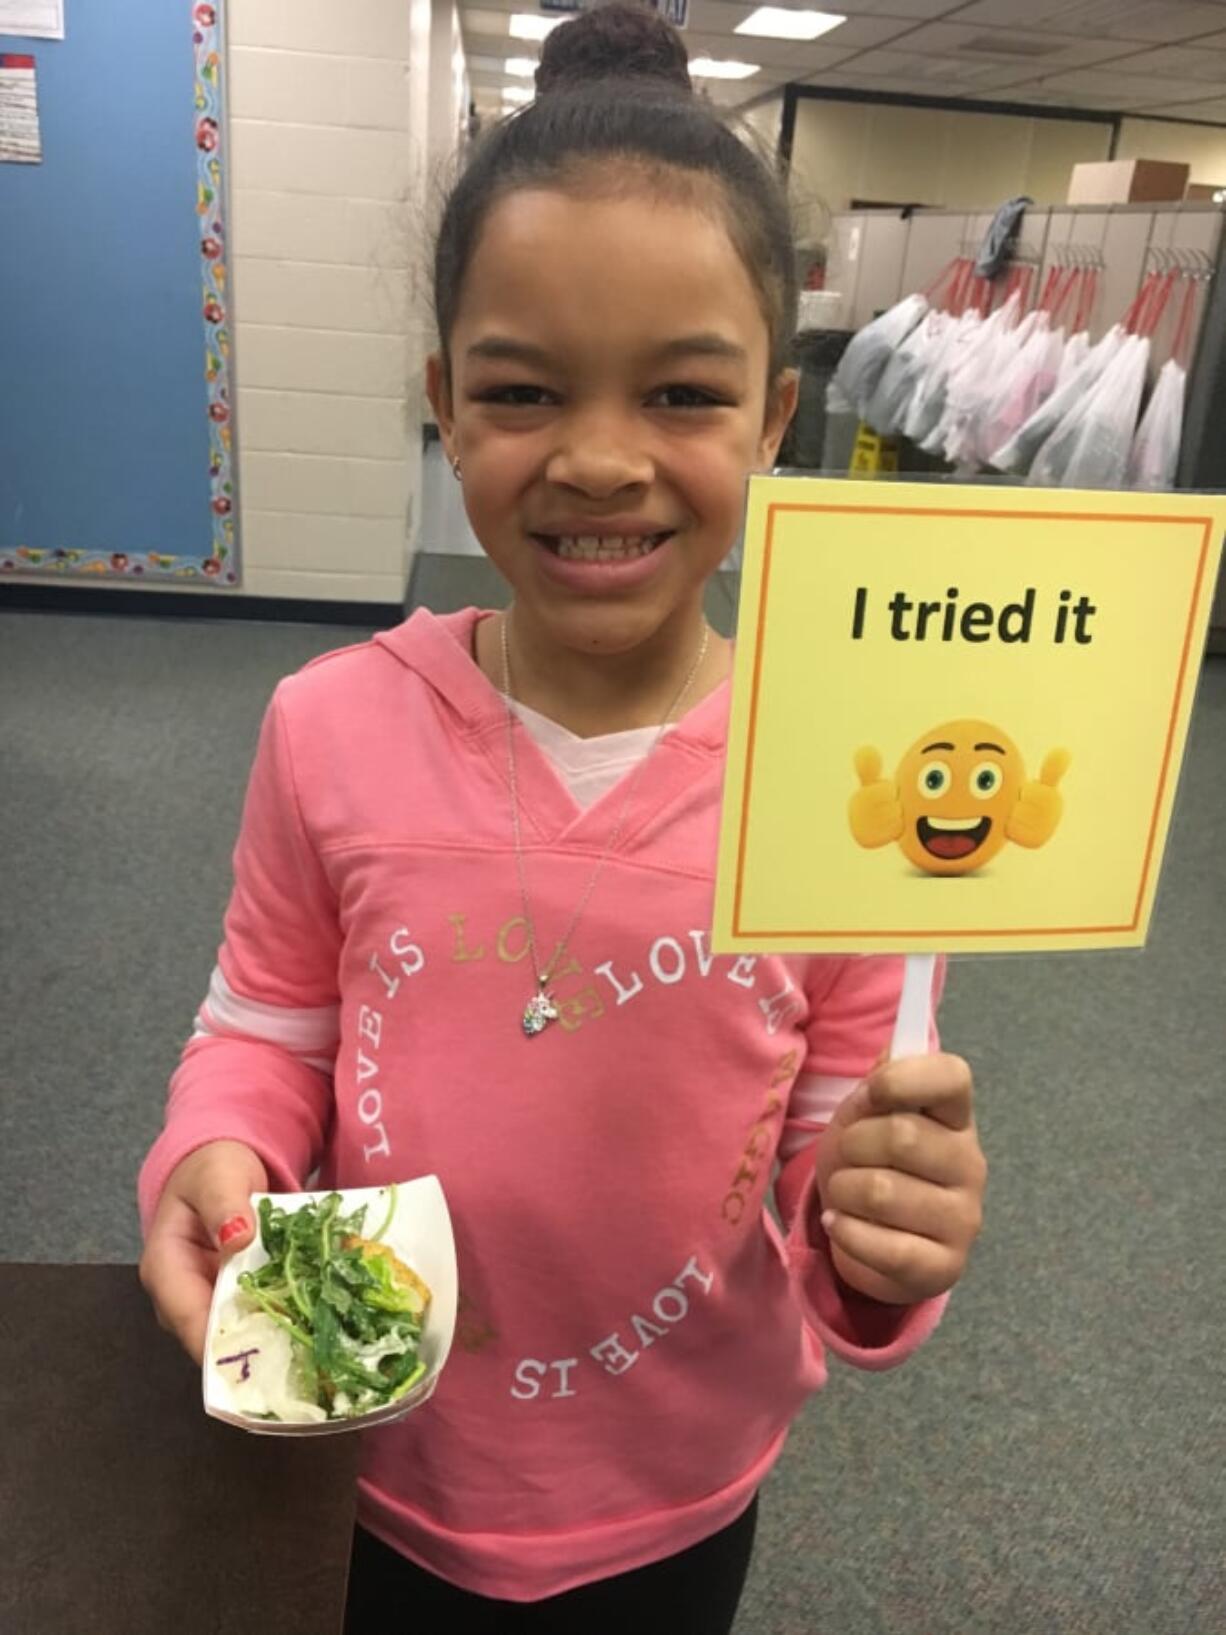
481, 64
1185, 62
1105, 54
1108, 82
492, 79
858, 33
1167, 23
494, 45
722, 17
890, 85
727, 93
1213, 110
1063, 96
930, 72
798, 56
709, 17
909, 10
1025, 97
477, 20
894, 14
1027, 49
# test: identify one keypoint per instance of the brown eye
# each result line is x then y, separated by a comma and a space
687, 397
524, 397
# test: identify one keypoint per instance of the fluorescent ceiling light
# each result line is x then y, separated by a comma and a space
781, 23
527, 26
524, 67
710, 68
516, 93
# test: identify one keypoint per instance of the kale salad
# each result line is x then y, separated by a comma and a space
330, 1326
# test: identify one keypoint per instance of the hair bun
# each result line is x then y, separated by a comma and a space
620, 40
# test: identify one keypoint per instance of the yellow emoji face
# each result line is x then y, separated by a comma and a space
957, 786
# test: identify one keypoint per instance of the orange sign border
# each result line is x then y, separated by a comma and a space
739, 929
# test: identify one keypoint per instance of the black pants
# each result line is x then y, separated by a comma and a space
693, 1593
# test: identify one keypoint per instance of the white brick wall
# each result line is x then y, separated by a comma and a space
324, 263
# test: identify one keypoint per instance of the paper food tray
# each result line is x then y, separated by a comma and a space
419, 1234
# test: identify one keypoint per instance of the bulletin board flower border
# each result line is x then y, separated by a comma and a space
221, 566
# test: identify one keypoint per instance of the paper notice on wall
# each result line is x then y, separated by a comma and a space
35, 19
20, 141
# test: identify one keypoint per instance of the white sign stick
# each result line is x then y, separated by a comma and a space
912, 1029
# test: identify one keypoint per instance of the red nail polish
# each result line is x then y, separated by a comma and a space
232, 1228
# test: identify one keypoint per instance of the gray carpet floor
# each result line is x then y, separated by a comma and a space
1054, 1461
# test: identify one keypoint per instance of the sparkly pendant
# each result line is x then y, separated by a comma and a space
539, 1012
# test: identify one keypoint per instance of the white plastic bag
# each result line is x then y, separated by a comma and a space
1024, 383
886, 410
864, 361
1018, 453
1155, 449
1076, 351
975, 334
1079, 346
928, 402
836, 403
1090, 446
974, 374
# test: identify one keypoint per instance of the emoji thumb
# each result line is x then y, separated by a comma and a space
1055, 765
867, 762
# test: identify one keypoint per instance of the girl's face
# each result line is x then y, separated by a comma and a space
608, 398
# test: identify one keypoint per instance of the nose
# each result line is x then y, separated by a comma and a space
600, 452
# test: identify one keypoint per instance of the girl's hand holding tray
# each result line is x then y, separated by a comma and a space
338, 1316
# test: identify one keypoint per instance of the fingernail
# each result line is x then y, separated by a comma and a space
827, 1219
232, 1228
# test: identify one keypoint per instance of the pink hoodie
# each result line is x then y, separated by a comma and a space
635, 1333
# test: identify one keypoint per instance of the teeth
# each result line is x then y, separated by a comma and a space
955, 824
593, 548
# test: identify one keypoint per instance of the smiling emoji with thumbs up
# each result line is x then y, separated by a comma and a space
959, 794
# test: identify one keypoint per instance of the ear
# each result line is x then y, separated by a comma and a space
438, 390
780, 407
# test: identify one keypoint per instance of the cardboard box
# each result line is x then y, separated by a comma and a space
1206, 191
1128, 181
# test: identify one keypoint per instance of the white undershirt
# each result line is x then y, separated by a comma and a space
589, 767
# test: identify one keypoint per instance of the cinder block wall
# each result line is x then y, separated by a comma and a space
327, 125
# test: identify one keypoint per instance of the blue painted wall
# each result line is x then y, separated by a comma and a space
103, 408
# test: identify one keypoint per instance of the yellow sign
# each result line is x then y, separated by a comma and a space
958, 714
873, 454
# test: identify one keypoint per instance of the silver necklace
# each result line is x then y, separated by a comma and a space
541, 1008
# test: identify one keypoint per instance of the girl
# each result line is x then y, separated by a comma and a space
467, 932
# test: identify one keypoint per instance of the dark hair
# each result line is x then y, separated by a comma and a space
621, 40
613, 84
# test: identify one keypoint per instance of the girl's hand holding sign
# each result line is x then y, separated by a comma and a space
901, 1179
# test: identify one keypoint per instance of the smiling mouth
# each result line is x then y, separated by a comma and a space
602, 547
952, 839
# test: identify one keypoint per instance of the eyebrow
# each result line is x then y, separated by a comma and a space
927, 747
500, 348
705, 345
996, 747
503, 349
